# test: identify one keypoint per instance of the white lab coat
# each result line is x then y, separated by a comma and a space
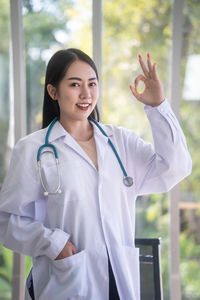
95, 210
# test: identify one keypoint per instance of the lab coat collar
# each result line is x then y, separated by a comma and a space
108, 130
59, 131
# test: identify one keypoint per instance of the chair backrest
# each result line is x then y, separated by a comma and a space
150, 269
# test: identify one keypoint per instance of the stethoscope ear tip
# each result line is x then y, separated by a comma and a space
57, 192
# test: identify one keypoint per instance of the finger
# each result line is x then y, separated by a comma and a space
155, 73
70, 248
149, 65
138, 78
74, 250
144, 69
135, 92
69, 245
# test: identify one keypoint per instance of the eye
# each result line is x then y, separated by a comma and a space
93, 84
74, 84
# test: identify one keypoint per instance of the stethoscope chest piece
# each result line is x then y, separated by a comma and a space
128, 181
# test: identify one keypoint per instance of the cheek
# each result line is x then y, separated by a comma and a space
96, 93
68, 95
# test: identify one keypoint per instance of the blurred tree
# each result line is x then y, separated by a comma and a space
5, 273
43, 21
190, 122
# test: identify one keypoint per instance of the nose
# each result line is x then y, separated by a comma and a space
85, 92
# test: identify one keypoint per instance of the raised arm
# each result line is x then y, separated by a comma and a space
157, 169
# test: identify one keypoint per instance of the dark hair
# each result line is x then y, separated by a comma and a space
56, 70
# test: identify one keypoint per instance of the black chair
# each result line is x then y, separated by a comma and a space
150, 274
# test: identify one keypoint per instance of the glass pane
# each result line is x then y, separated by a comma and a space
132, 28
5, 126
190, 188
49, 26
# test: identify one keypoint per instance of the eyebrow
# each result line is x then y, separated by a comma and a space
79, 79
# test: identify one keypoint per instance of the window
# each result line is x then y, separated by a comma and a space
144, 27
190, 121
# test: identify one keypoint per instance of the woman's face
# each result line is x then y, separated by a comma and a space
78, 92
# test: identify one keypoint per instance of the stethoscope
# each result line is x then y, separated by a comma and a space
127, 180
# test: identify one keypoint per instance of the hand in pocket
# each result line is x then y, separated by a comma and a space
68, 250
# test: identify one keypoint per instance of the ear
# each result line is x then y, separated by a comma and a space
52, 91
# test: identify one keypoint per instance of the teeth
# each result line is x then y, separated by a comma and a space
83, 105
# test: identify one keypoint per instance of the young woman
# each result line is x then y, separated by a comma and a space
68, 199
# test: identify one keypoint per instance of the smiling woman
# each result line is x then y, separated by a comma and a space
57, 226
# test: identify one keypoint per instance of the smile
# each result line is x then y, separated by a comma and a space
83, 105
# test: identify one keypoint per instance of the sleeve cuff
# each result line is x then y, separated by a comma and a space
58, 239
162, 108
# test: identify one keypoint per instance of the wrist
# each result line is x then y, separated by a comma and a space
158, 106
158, 103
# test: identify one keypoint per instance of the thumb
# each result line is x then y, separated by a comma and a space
134, 91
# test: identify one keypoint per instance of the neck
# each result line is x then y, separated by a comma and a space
79, 130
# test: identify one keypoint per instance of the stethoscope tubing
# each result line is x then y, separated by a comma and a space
112, 146
128, 181
46, 144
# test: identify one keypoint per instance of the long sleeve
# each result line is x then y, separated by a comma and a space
157, 169
21, 228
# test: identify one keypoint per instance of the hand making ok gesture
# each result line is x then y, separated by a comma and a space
153, 93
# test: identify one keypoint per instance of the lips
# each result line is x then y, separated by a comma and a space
83, 106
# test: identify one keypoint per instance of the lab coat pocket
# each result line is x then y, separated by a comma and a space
67, 278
